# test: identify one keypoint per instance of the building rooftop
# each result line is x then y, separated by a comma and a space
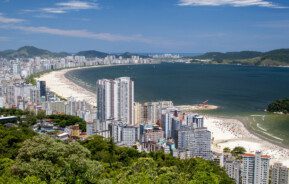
253, 155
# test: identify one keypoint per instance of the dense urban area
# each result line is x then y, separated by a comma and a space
46, 138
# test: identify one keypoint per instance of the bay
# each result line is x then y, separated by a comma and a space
239, 90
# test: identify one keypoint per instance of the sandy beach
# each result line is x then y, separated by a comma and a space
59, 84
225, 132
231, 133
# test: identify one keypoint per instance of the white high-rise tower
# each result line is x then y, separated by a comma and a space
115, 99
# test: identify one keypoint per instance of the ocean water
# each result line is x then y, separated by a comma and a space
239, 90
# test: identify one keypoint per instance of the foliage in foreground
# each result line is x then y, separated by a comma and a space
42, 159
64, 120
279, 106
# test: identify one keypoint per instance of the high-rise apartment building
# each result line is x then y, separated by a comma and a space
196, 141
115, 100
152, 110
138, 113
233, 168
123, 134
41, 85
255, 168
279, 174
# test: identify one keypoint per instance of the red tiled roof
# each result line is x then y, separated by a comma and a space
265, 156
248, 155
253, 155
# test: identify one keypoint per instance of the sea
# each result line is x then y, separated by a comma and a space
241, 92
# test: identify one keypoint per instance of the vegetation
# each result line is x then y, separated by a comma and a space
279, 106
281, 55
92, 54
26, 157
25, 118
218, 56
29, 52
42, 159
278, 57
31, 78
227, 150
63, 120
11, 139
238, 151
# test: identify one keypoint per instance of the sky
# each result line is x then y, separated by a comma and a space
145, 26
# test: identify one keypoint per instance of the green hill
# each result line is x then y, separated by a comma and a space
129, 55
29, 52
279, 57
92, 54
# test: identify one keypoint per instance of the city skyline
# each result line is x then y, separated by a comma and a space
179, 26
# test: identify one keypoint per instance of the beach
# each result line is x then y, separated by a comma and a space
65, 88
225, 132
231, 133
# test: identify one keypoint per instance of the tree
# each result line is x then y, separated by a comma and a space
226, 150
41, 114
63, 120
238, 151
11, 139
51, 161
279, 106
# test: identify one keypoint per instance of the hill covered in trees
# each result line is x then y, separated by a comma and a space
30, 52
279, 57
41, 159
26, 157
279, 106
92, 54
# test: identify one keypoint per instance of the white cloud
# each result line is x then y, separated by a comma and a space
234, 3
64, 7
77, 5
80, 34
8, 20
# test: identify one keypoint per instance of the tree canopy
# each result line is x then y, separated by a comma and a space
279, 106
30, 158
42, 159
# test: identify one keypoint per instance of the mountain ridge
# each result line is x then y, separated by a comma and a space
31, 51
277, 57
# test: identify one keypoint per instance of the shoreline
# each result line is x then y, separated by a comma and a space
227, 132
231, 132
263, 134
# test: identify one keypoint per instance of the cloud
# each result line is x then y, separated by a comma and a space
64, 7
8, 20
80, 34
234, 3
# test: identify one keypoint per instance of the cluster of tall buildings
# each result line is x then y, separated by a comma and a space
154, 126
16, 92
254, 169
151, 125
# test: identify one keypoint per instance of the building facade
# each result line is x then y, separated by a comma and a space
279, 174
255, 168
115, 100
